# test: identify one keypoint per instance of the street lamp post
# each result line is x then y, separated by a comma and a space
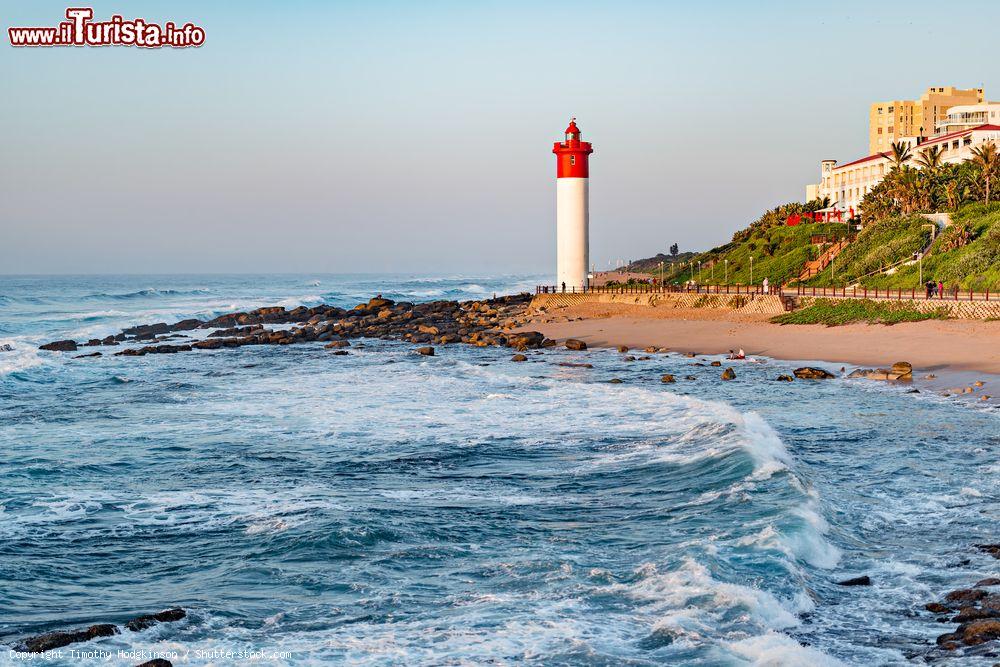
661, 276
751, 269
726, 261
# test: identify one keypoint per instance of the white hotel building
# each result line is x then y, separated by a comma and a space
847, 184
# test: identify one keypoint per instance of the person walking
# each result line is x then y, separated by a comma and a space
767, 286
564, 287
940, 287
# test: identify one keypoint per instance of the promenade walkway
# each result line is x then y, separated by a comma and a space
895, 294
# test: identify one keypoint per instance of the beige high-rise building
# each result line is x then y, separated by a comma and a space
891, 121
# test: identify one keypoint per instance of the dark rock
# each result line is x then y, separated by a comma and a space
341, 353
966, 614
519, 357
716, 363
785, 378
149, 620
84, 356
856, 581
629, 358
728, 374
690, 377
337, 343
60, 346
937, 608
966, 595
623, 348
147, 330
979, 632
991, 549
988, 581
667, 378
569, 364
575, 344
110, 340
808, 373
58, 639
186, 325
526, 339
236, 331
615, 381
93, 342
426, 351
949, 638
156, 662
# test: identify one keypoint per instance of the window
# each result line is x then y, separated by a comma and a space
572, 159
880, 130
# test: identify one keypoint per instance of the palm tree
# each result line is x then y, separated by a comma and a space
985, 157
951, 193
930, 159
900, 154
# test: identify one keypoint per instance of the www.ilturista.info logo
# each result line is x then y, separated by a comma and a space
79, 30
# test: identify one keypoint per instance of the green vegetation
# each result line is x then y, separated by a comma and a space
965, 255
778, 251
878, 246
832, 312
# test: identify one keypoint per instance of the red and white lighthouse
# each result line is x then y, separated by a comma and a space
572, 210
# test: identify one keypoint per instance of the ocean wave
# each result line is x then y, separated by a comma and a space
772, 649
148, 292
253, 511
16, 355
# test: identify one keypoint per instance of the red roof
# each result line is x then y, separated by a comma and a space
959, 133
864, 159
572, 129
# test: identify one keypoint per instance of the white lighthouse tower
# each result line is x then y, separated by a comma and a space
572, 211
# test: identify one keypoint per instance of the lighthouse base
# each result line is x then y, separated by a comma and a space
572, 233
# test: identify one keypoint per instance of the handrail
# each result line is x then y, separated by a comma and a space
845, 292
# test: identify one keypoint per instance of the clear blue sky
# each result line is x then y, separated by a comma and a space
416, 136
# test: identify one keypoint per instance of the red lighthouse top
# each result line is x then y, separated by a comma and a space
572, 155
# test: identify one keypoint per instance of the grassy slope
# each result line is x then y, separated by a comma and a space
877, 246
975, 266
778, 253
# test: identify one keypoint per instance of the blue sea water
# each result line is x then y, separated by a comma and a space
387, 508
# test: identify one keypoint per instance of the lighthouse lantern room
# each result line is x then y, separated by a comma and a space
572, 210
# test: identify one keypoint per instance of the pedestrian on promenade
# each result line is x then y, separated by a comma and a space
941, 288
767, 286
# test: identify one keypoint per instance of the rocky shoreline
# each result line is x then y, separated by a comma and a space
481, 323
976, 610
57, 639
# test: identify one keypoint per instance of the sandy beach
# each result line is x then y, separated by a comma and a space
957, 351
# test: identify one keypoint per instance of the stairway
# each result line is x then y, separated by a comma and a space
815, 266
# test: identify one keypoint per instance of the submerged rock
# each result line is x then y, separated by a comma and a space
426, 351
149, 620
59, 638
519, 357
728, 374
59, 346
856, 581
785, 378
810, 373
575, 344
667, 378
